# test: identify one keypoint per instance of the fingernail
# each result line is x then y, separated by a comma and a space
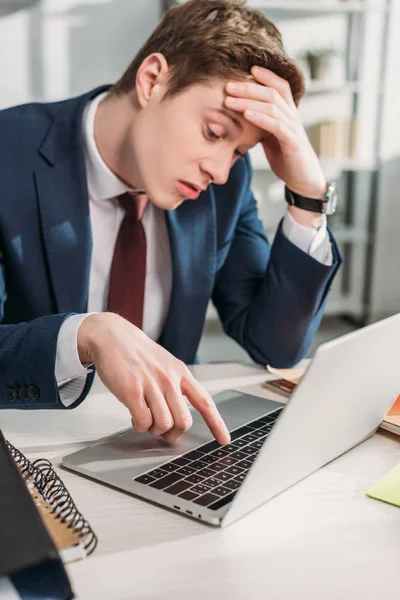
231, 100
250, 113
232, 86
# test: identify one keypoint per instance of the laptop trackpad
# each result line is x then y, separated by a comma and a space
141, 452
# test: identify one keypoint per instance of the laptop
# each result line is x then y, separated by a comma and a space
348, 388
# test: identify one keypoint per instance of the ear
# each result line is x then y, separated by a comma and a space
151, 77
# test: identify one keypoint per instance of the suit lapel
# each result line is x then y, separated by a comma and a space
192, 234
64, 207
64, 213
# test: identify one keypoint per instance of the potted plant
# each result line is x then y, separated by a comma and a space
318, 61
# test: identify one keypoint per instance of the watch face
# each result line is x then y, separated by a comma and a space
331, 200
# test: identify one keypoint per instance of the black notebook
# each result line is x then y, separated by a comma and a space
52, 504
28, 556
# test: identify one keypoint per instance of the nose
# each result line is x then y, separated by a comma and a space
217, 168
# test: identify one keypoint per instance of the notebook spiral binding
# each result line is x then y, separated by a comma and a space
40, 472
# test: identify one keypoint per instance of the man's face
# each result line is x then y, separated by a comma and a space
181, 145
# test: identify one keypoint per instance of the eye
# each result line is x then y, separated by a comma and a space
212, 135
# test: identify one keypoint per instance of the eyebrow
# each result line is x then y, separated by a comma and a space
236, 121
230, 116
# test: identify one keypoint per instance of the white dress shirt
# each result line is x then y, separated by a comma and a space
106, 216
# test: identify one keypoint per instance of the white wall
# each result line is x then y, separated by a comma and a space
65, 47
390, 147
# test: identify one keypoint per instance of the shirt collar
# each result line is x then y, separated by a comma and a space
102, 183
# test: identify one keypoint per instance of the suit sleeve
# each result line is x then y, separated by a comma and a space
271, 299
27, 365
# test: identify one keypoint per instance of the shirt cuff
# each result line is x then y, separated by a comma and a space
68, 366
311, 240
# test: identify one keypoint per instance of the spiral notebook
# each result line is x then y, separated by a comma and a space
70, 531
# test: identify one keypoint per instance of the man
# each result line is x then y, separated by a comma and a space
167, 142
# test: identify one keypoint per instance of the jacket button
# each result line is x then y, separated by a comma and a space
33, 392
11, 394
23, 393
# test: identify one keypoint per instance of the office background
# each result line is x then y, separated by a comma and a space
350, 52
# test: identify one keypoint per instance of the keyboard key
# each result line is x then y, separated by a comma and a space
223, 476
267, 419
259, 433
208, 459
232, 484
212, 482
223, 501
157, 473
238, 433
145, 479
250, 437
194, 479
238, 455
178, 488
240, 477
227, 461
165, 482
205, 473
249, 450
234, 470
221, 491
251, 458
206, 499
197, 464
193, 455
200, 489
169, 467
181, 461
256, 424
186, 471
229, 448
272, 417
209, 447
244, 464
216, 467
188, 495
258, 444
266, 429
219, 453
239, 443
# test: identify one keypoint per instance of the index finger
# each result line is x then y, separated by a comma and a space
205, 405
268, 78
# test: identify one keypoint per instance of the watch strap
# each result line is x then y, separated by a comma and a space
311, 204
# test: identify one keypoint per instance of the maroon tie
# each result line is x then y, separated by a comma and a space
128, 269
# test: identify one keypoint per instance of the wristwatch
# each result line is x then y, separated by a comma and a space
326, 205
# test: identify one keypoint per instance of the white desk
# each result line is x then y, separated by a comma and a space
321, 539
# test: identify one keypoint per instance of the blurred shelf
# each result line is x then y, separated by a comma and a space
349, 234
7, 7
344, 306
324, 87
260, 163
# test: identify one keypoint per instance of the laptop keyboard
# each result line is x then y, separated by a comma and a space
212, 474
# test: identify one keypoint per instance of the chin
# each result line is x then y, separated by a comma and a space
168, 202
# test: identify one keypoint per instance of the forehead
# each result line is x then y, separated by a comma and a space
207, 99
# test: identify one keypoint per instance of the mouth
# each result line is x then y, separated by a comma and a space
190, 190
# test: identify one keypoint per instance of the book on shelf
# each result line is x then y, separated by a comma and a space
334, 139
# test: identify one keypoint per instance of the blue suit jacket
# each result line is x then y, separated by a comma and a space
270, 300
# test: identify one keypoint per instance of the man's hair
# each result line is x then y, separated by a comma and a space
206, 39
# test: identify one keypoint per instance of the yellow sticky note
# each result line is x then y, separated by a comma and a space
388, 488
